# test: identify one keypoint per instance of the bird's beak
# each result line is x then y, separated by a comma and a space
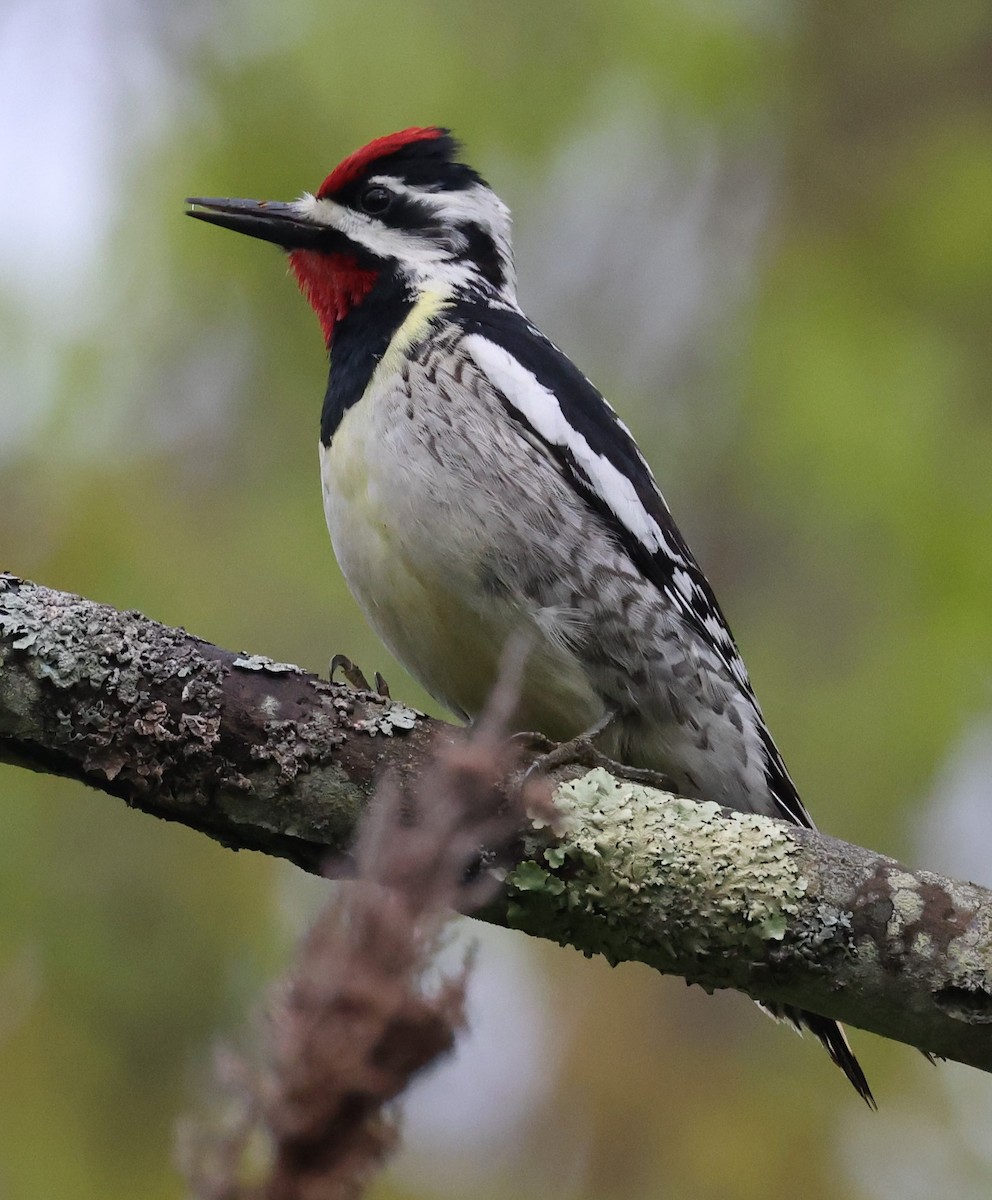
269, 220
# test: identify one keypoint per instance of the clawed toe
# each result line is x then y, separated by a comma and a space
582, 751
529, 739
578, 750
355, 677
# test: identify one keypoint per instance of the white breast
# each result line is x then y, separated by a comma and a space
416, 508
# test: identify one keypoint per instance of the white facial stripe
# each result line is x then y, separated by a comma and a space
379, 239
477, 204
430, 262
543, 412
480, 206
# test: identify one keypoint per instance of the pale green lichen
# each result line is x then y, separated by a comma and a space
258, 662
907, 903
902, 879
966, 993
825, 926
393, 718
638, 874
108, 664
968, 964
923, 945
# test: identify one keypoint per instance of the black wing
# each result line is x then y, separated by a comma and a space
548, 394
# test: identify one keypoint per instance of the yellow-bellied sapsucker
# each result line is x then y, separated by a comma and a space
476, 483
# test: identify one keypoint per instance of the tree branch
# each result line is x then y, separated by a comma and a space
265, 756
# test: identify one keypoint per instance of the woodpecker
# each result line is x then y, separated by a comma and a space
476, 484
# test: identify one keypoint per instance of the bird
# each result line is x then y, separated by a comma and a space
477, 486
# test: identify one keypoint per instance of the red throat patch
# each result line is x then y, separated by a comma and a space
332, 283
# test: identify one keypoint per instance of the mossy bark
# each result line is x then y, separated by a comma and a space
263, 755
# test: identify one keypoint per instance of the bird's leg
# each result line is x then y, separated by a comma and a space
355, 676
582, 751
579, 749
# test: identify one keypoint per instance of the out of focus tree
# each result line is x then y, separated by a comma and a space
763, 228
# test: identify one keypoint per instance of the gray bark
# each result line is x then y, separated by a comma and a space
266, 756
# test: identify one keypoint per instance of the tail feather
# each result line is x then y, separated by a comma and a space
834, 1040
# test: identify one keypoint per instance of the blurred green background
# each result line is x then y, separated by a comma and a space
764, 228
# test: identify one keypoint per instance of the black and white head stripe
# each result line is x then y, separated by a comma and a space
416, 206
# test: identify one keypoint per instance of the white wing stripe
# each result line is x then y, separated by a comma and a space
541, 409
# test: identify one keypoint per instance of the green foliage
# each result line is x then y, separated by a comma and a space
825, 443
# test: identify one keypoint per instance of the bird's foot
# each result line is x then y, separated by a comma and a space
581, 751
578, 750
355, 677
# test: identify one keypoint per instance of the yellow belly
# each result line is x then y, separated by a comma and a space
416, 578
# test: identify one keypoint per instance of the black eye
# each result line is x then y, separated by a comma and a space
375, 199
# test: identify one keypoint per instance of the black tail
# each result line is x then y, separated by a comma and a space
784, 795
834, 1039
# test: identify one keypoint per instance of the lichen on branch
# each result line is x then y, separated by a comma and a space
264, 755
658, 878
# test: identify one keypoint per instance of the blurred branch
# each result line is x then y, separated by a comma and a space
358, 1017
263, 755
